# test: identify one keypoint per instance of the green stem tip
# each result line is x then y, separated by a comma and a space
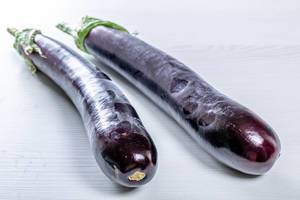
12, 31
66, 28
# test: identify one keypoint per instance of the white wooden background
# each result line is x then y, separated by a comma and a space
248, 49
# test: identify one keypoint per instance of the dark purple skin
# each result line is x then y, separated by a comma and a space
119, 141
227, 130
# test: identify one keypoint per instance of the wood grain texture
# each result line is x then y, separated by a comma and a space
249, 50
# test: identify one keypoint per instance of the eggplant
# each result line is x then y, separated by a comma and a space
228, 131
120, 143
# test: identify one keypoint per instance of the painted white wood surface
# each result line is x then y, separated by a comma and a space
249, 50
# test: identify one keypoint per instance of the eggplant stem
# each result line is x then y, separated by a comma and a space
66, 28
86, 25
25, 44
12, 31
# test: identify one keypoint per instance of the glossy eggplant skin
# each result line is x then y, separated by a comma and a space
121, 145
227, 130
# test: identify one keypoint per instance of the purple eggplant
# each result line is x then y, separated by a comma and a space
121, 146
227, 130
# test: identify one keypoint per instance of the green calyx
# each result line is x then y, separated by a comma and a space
86, 25
25, 43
